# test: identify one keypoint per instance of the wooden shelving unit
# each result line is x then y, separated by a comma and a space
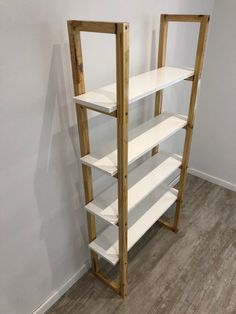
139, 197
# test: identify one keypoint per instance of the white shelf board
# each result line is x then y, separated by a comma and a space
104, 99
141, 140
142, 181
140, 220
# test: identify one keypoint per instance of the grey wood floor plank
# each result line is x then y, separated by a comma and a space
193, 271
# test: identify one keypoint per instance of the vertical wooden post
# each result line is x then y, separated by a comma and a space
79, 88
191, 114
160, 63
122, 72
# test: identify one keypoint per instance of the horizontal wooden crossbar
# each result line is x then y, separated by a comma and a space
166, 224
108, 281
184, 17
92, 26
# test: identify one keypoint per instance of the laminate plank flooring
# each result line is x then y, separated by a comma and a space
193, 271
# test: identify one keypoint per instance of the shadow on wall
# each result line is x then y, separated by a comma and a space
58, 181
154, 51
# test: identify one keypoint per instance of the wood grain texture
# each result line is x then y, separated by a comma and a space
94, 26
161, 61
202, 37
82, 119
122, 73
184, 17
121, 30
193, 271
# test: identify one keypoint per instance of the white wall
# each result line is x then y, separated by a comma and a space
43, 239
214, 142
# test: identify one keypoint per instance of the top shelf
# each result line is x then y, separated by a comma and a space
104, 99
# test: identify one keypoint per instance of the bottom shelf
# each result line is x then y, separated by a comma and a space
140, 220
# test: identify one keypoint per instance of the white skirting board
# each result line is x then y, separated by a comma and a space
205, 176
62, 290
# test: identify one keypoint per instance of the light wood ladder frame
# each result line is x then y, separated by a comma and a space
204, 22
121, 31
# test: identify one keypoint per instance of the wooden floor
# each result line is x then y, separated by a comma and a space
193, 271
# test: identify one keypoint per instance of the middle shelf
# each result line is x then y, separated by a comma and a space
142, 85
141, 140
142, 181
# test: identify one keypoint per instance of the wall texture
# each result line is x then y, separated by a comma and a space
43, 240
214, 144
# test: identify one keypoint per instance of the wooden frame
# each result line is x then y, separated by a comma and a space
204, 21
121, 31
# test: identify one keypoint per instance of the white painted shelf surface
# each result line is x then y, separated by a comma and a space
141, 140
142, 85
142, 181
140, 220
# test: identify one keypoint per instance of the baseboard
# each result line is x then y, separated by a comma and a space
62, 290
212, 179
